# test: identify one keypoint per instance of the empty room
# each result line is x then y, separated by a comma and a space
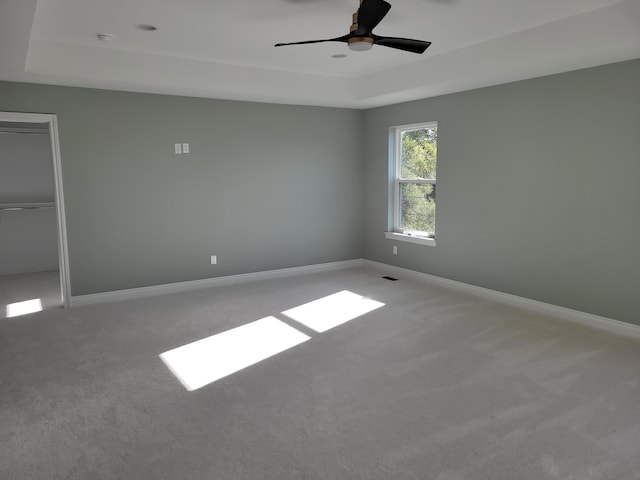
221, 256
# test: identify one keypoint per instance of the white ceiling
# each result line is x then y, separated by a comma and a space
224, 49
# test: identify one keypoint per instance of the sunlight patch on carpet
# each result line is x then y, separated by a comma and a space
204, 361
329, 312
23, 308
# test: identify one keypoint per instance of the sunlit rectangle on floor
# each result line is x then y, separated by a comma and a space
22, 308
204, 361
328, 312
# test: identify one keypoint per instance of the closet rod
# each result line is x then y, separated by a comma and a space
26, 206
9, 132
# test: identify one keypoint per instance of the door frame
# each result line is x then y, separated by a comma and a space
63, 255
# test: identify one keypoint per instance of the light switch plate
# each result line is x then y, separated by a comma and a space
178, 148
185, 148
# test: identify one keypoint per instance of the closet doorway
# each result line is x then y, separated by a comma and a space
34, 272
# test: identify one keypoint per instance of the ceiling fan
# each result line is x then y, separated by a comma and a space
361, 36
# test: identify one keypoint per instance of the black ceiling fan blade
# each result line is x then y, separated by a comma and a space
370, 13
344, 38
406, 44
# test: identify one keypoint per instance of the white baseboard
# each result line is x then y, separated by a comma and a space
618, 327
141, 292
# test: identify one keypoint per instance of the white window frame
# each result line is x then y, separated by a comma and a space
395, 161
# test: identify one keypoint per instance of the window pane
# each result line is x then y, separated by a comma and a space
418, 207
419, 153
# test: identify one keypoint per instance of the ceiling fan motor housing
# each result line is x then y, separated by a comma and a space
358, 43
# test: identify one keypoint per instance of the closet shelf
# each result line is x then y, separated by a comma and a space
26, 206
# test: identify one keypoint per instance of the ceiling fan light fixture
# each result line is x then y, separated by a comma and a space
361, 37
360, 44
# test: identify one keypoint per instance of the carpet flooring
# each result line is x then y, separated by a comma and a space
44, 286
431, 385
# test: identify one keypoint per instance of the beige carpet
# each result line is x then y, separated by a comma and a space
431, 385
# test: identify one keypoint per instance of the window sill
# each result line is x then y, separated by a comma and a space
403, 237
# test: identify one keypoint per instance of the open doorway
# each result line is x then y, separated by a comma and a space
33, 250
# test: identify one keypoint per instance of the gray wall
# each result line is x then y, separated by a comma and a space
28, 238
264, 187
538, 189
26, 168
537, 186
28, 241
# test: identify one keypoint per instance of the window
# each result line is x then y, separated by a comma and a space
414, 157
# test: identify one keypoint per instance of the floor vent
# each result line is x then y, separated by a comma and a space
390, 278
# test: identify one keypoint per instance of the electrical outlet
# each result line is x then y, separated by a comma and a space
395, 249
214, 259
185, 148
178, 148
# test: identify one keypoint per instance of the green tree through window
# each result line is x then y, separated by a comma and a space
415, 182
